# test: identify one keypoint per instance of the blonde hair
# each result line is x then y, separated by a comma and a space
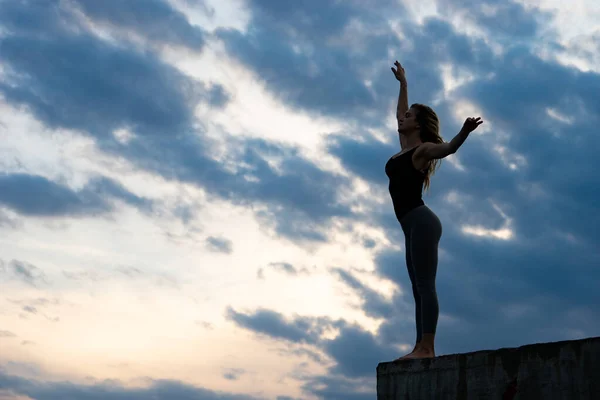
429, 132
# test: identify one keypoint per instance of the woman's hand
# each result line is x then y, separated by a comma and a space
471, 124
399, 73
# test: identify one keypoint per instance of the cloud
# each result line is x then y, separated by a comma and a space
504, 20
112, 390
297, 200
96, 86
312, 57
30, 309
272, 324
35, 195
36, 307
99, 87
107, 187
155, 20
24, 272
284, 267
7, 334
233, 374
369, 243
81, 275
373, 303
354, 351
205, 325
8, 221
219, 245
335, 387
315, 356
130, 272
532, 176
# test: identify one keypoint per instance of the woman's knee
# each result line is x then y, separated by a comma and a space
426, 288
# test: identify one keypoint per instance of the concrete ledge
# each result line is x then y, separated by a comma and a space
568, 370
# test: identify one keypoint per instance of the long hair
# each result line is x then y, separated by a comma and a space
429, 132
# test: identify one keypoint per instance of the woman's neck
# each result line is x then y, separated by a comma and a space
410, 142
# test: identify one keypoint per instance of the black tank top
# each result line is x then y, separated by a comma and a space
406, 183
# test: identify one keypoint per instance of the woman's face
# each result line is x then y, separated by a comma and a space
408, 123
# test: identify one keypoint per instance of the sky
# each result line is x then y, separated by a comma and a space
193, 202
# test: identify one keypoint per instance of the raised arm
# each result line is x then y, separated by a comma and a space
429, 151
402, 96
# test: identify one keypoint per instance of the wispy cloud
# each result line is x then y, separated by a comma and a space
24, 272
219, 245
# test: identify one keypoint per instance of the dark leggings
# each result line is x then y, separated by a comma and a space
423, 230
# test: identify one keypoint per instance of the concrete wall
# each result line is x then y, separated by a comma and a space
568, 370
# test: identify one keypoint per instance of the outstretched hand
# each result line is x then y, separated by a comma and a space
399, 72
471, 124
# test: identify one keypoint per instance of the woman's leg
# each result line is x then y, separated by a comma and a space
411, 275
417, 297
425, 233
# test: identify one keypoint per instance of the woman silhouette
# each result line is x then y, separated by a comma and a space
409, 173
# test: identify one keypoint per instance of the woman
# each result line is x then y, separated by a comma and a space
409, 171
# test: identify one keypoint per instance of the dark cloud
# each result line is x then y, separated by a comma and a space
218, 97
373, 303
297, 201
107, 187
304, 54
77, 81
336, 387
550, 200
155, 20
315, 356
36, 195
7, 334
111, 390
355, 352
98, 87
219, 245
272, 324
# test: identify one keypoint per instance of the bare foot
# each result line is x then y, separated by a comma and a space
421, 352
409, 354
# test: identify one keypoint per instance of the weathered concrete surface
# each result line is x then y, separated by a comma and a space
568, 370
